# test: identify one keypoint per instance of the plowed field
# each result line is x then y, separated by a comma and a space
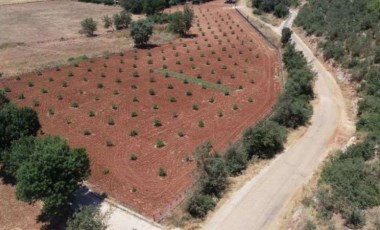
225, 76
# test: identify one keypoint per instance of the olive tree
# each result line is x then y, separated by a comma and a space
87, 218
89, 26
141, 30
51, 172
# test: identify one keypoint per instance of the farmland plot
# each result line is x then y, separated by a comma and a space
141, 113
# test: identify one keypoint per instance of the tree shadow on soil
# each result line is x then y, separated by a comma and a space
6, 179
146, 46
82, 197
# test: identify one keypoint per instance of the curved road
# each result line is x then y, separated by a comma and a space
259, 203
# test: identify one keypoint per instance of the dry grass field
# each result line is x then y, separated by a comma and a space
10, 2
42, 34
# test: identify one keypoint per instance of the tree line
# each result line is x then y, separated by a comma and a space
261, 141
141, 30
280, 8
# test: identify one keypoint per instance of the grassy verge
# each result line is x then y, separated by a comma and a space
194, 80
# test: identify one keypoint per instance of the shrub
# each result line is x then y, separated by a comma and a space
214, 179
133, 133
189, 92
86, 132
135, 98
111, 121
134, 114
172, 99
152, 92
74, 104
99, 85
51, 111
89, 26
114, 106
292, 112
20, 97
133, 156
87, 217
162, 172
109, 143
157, 123
356, 219
199, 205
170, 86
122, 20
160, 143
91, 113
236, 159
107, 22
194, 106
141, 30
265, 139
220, 113
201, 124
30, 84
70, 74
180, 133
286, 34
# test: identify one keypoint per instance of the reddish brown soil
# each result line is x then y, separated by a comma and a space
16, 214
154, 195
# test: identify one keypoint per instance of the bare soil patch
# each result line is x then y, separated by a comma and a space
15, 214
225, 51
45, 34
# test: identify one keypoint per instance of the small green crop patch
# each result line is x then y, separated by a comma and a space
194, 80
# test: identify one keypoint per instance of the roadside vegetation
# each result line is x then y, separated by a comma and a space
280, 8
349, 36
261, 141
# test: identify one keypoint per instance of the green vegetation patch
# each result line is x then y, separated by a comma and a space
194, 80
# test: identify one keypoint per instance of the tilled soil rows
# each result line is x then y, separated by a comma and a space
225, 76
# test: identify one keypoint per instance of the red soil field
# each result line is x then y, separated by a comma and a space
225, 50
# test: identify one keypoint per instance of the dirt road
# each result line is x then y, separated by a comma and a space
259, 203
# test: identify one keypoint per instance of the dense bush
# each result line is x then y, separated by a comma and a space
149, 7
265, 139
121, 20
16, 123
292, 112
51, 173
215, 175
286, 34
200, 204
141, 30
181, 22
280, 8
236, 159
89, 26
87, 218
133, 6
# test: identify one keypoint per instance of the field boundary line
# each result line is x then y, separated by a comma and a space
246, 17
19, 3
123, 208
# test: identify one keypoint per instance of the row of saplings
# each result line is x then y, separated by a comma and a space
141, 30
261, 141
42, 169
